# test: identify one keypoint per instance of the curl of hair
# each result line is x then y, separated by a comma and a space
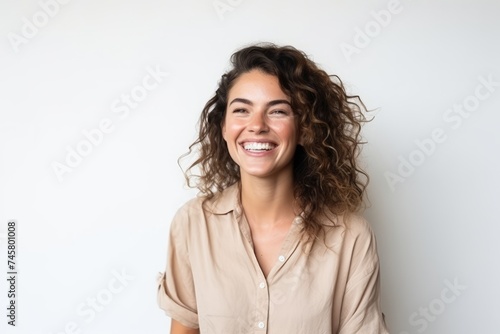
327, 178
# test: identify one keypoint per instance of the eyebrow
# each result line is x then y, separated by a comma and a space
269, 104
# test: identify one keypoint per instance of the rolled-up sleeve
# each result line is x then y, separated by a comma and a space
361, 311
176, 292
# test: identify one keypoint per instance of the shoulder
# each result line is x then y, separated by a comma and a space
191, 206
185, 216
351, 225
197, 209
356, 226
354, 240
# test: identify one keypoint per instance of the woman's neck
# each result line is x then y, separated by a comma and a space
268, 201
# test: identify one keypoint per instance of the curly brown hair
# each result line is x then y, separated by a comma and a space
327, 178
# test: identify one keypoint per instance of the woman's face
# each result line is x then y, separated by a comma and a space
260, 128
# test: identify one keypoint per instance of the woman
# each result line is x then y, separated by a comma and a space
274, 245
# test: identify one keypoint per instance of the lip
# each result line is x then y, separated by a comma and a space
242, 142
257, 153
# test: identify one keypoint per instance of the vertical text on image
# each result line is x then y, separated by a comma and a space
12, 275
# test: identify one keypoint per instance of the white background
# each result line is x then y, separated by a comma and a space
111, 213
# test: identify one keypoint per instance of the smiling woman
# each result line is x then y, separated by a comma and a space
274, 244
259, 127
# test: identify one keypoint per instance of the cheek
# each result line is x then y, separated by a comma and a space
231, 130
288, 131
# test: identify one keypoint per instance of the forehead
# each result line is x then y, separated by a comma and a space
257, 85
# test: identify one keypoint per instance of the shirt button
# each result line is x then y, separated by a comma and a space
262, 285
261, 324
281, 258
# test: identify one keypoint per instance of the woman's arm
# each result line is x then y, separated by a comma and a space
178, 328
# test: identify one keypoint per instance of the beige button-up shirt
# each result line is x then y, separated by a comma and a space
213, 280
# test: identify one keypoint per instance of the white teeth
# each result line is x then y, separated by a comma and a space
258, 146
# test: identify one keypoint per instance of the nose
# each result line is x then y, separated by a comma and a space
258, 123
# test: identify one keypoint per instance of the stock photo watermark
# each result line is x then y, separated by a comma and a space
12, 272
88, 309
452, 117
372, 29
122, 106
425, 315
224, 6
31, 26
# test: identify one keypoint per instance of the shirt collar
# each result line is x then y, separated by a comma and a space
229, 200
226, 201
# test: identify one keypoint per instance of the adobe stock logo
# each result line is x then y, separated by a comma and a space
425, 315
30, 28
223, 6
427, 146
363, 37
92, 138
94, 304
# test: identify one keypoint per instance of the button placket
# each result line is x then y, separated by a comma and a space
262, 304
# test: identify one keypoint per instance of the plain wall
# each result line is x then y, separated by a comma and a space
92, 235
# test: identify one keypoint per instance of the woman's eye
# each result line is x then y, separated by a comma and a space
279, 112
236, 111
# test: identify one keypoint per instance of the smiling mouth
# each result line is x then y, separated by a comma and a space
258, 147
